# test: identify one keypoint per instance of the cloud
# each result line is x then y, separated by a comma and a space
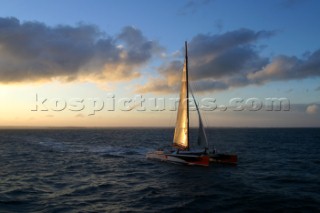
312, 109
216, 62
210, 85
192, 6
288, 68
33, 51
224, 55
230, 60
218, 24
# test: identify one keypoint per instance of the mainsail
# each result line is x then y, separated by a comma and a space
181, 133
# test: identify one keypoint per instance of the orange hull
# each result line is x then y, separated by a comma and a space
224, 158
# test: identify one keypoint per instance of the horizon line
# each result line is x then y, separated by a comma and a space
153, 127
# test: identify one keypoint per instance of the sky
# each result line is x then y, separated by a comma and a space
104, 63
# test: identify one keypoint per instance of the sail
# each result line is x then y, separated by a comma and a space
181, 134
202, 138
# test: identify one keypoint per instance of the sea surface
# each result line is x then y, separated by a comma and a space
105, 170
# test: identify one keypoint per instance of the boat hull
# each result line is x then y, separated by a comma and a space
183, 158
224, 158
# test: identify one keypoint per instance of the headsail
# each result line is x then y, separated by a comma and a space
181, 133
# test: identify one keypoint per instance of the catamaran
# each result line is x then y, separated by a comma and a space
181, 141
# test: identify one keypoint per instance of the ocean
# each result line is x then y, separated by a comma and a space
105, 170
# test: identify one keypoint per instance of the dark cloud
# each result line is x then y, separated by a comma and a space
209, 85
213, 58
139, 49
192, 6
217, 56
288, 68
229, 60
208, 44
33, 51
218, 24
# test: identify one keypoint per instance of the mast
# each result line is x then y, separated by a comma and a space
188, 123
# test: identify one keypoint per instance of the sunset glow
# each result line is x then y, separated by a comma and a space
86, 56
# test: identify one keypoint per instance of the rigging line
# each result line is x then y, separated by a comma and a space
200, 118
192, 116
191, 113
206, 121
193, 97
204, 118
